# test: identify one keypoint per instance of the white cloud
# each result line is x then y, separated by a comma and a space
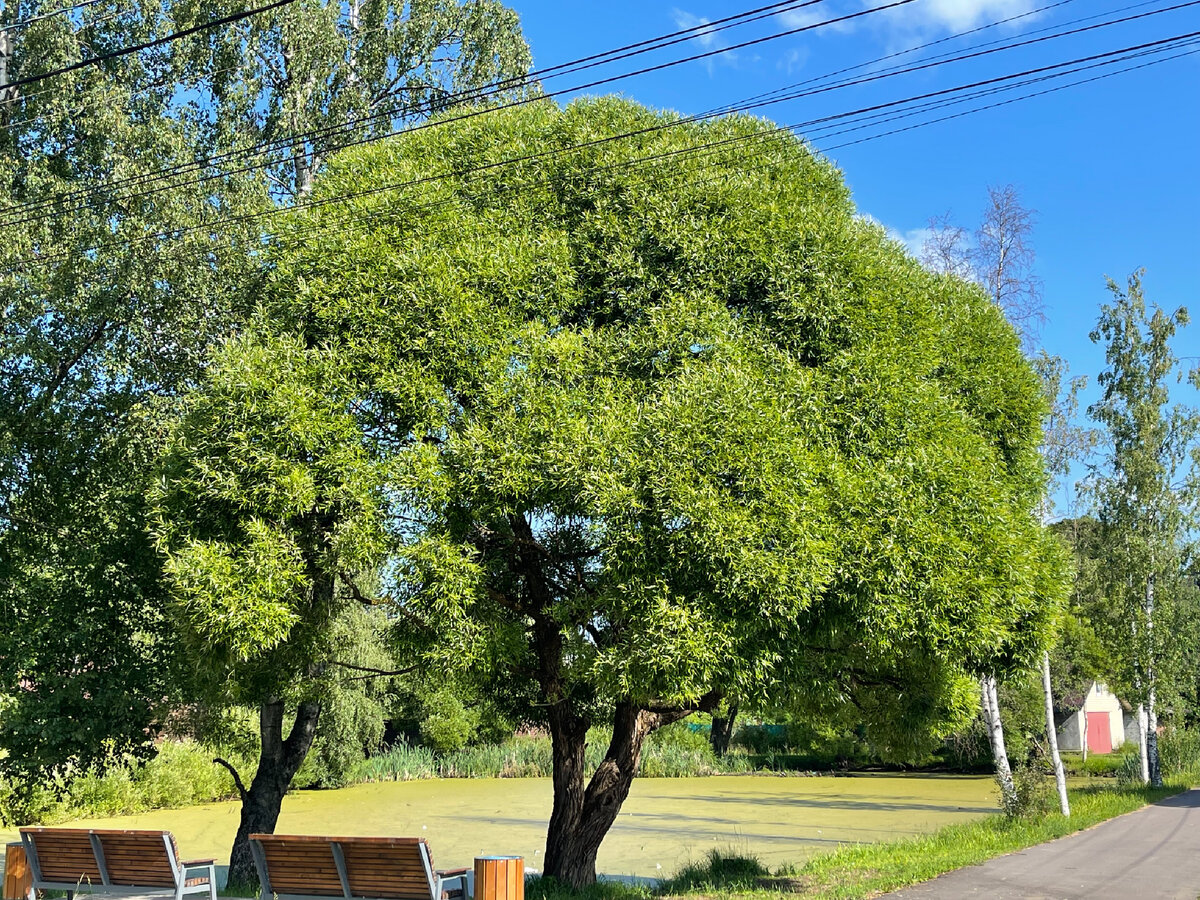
959, 15
913, 240
942, 16
708, 38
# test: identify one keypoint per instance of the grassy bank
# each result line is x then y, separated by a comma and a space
866, 870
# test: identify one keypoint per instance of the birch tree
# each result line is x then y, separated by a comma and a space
1145, 502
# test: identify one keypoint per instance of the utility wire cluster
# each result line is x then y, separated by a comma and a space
819, 131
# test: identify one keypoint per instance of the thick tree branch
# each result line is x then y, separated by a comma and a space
237, 779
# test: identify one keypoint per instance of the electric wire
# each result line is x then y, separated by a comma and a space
817, 79
287, 142
143, 179
146, 45
873, 137
595, 58
178, 233
47, 15
297, 234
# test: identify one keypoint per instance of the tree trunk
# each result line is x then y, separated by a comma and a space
991, 717
722, 730
1060, 777
278, 762
1153, 768
582, 816
1142, 749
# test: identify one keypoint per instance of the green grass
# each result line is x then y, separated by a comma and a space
867, 870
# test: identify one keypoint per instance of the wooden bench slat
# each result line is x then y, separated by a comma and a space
133, 859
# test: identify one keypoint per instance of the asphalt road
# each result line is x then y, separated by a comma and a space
1145, 855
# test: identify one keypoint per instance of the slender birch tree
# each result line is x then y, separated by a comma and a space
1146, 504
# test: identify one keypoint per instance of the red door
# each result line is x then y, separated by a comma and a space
1099, 732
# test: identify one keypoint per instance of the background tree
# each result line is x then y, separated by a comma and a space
90, 340
268, 507
1000, 258
1063, 443
1145, 505
120, 270
650, 448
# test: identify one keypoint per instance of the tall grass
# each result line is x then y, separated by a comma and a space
181, 774
529, 756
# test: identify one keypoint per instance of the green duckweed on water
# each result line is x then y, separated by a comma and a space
664, 824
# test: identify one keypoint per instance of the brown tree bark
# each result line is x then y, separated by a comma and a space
583, 815
278, 762
722, 730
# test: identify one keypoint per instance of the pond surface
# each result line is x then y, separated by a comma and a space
665, 822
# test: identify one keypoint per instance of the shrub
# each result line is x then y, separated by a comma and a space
1179, 753
447, 724
1034, 795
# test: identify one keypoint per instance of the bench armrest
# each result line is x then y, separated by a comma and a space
463, 870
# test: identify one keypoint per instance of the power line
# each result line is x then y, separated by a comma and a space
893, 116
594, 59
1061, 87
47, 15
952, 37
290, 141
742, 106
157, 42
734, 145
345, 198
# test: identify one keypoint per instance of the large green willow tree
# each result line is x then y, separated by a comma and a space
660, 426
126, 195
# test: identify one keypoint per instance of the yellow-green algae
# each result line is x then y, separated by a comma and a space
665, 822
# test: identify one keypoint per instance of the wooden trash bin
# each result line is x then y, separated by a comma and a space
499, 878
18, 878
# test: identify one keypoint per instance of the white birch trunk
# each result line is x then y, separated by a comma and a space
1142, 749
1153, 767
1060, 776
991, 717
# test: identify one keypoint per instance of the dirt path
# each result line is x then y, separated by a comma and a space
1148, 854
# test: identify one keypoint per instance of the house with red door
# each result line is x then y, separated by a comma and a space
1100, 721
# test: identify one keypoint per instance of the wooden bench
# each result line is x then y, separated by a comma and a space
90, 860
307, 867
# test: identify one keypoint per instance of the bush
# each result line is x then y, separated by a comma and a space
447, 724
1034, 793
1179, 753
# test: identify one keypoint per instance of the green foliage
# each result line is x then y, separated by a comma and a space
1179, 753
114, 293
179, 774
1146, 507
754, 446
447, 724
265, 503
1033, 792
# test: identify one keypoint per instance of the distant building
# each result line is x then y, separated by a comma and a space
1101, 721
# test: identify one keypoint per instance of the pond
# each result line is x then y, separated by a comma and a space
665, 822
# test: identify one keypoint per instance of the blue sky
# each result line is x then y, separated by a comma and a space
1112, 168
